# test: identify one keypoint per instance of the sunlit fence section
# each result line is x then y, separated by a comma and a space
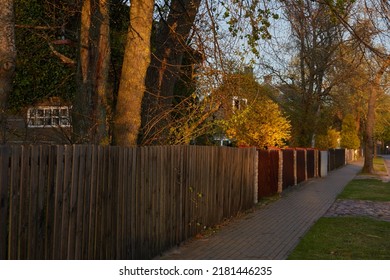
281, 169
95, 202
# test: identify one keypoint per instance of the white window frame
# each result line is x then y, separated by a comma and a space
48, 116
238, 102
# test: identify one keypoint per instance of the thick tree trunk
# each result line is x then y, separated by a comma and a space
7, 59
90, 122
369, 141
136, 60
171, 44
369, 133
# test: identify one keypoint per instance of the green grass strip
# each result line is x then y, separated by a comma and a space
379, 164
345, 238
366, 189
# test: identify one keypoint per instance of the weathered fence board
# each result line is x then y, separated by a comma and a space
268, 172
311, 163
4, 201
300, 165
336, 158
288, 168
93, 202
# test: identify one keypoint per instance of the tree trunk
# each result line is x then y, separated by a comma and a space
136, 60
7, 59
171, 44
90, 122
369, 142
369, 133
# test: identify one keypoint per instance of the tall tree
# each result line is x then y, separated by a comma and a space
170, 43
370, 124
127, 119
7, 57
188, 25
370, 26
316, 36
90, 121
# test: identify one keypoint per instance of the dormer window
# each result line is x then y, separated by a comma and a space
48, 116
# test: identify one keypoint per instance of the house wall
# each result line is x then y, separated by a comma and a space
18, 132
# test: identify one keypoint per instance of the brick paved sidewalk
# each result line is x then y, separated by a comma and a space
273, 231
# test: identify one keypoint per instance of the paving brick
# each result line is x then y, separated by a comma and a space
270, 232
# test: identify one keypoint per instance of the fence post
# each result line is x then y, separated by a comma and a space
324, 163
256, 177
316, 163
305, 152
4, 201
295, 168
280, 172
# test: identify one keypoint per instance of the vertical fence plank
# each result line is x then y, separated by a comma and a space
101, 209
58, 207
24, 203
183, 187
169, 197
174, 150
205, 194
66, 193
126, 204
71, 223
248, 179
99, 231
33, 202
42, 198
107, 203
221, 187
301, 164
4, 201
133, 156
92, 204
161, 200
268, 172
122, 194
86, 213
139, 214
15, 175
187, 163
80, 203
311, 163
192, 161
50, 202
145, 198
219, 177
113, 187
154, 213
288, 168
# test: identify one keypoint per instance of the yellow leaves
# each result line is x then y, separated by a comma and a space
260, 124
328, 141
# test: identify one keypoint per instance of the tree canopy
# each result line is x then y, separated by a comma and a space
155, 72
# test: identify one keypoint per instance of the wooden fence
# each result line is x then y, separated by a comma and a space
93, 202
281, 169
336, 158
268, 172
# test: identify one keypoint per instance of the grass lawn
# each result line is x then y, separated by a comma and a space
349, 238
379, 165
366, 189
345, 238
